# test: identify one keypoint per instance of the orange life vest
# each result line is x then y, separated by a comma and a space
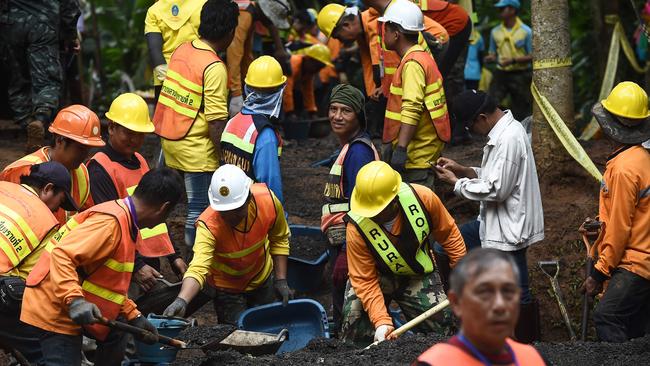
434, 98
155, 241
447, 354
107, 285
239, 138
181, 96
337, 204
24, 222
240, 256
80, 180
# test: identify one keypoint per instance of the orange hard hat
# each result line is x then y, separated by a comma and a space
78, 123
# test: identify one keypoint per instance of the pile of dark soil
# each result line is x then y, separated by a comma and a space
200, 335
308, 248
634, 352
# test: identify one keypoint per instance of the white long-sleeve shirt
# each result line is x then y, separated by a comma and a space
511, 213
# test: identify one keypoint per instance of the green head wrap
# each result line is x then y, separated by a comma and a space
353, 98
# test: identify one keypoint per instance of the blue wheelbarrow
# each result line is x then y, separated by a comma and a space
305, 319
306, 275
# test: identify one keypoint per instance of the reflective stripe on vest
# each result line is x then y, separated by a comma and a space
383, 247
434, 99
181, 96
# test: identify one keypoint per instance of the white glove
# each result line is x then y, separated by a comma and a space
382, 331
160, 72
236, 104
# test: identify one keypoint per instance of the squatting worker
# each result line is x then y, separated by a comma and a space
250, 139
511, 217
27, 223
192, 108
115, 171
622, 252
416, 123
390, 228
484, 295
75, 130
241, 249
348, 121
85, 271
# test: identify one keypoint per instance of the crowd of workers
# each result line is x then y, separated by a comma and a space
81, 236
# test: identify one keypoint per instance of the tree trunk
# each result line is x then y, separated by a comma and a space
551, 40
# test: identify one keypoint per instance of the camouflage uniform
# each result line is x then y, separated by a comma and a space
31, 31
413, 294
424, 177
229, 306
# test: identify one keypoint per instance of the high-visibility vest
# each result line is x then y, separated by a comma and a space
80, 180
337, 203
451, 16
155, 241
448, 354
25, 221
409, 254
240, 256
434, 98
107, 285
239, 138
181, 96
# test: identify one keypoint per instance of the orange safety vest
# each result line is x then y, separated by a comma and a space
239, 138
451, 16
447, 354
338, 205
155, 241
181, 96
80, 180
240, 256
107, 285
24, 222
434, 98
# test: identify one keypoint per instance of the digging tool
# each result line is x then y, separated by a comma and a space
589, 228
244, 341
552, 269
114, 324
415, 321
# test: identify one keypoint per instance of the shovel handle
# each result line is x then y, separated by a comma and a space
114, 324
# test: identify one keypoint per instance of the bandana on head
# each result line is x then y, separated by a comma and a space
268, 104
353, 98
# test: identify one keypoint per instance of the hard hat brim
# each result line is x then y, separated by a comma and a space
251, 84
147, 128
619, 132
609, 108
93, 142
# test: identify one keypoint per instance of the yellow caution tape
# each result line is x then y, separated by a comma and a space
551, 63
564, 134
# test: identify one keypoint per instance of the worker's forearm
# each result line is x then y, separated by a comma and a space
215, 129
280, 267
155, 43
470, 173
406, 133
523, 59
189, 289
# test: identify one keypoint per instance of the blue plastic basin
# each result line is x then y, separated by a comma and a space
306, 275
304, 318
155, 352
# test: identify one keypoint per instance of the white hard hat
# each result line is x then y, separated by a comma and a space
229, 188
405, 13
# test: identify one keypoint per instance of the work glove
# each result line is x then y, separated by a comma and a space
176, 308
160, 72
340, 272
398, 159
142, 323
235, 106
336, 235
382, 332
282, 287
83, 312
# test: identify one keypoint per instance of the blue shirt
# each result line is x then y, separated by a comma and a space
359, 154
266, 164
473, 62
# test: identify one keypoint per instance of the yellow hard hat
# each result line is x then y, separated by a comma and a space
377, 185
131, 111
627, 100
320, 52
265, 72
329, 17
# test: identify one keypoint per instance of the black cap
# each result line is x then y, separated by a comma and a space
55, 173
467, 106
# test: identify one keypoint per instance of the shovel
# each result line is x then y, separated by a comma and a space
243, 341
142, 333
415, 321
552, 269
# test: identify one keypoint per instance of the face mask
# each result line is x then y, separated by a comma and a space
268, 104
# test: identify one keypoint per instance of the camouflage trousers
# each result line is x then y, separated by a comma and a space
425, 177
30, 59
414, 295
229, 306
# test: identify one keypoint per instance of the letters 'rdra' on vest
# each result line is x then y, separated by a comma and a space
240, 256
434, 98
181, 96
107, 285
155, 241
408, 254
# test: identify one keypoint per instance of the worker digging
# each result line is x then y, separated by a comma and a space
235, 182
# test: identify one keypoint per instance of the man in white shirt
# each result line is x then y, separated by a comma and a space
511, 216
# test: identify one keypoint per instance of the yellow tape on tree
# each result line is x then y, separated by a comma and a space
564, 134
551, 63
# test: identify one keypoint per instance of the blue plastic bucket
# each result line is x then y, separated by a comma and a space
306, 275
156, 353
